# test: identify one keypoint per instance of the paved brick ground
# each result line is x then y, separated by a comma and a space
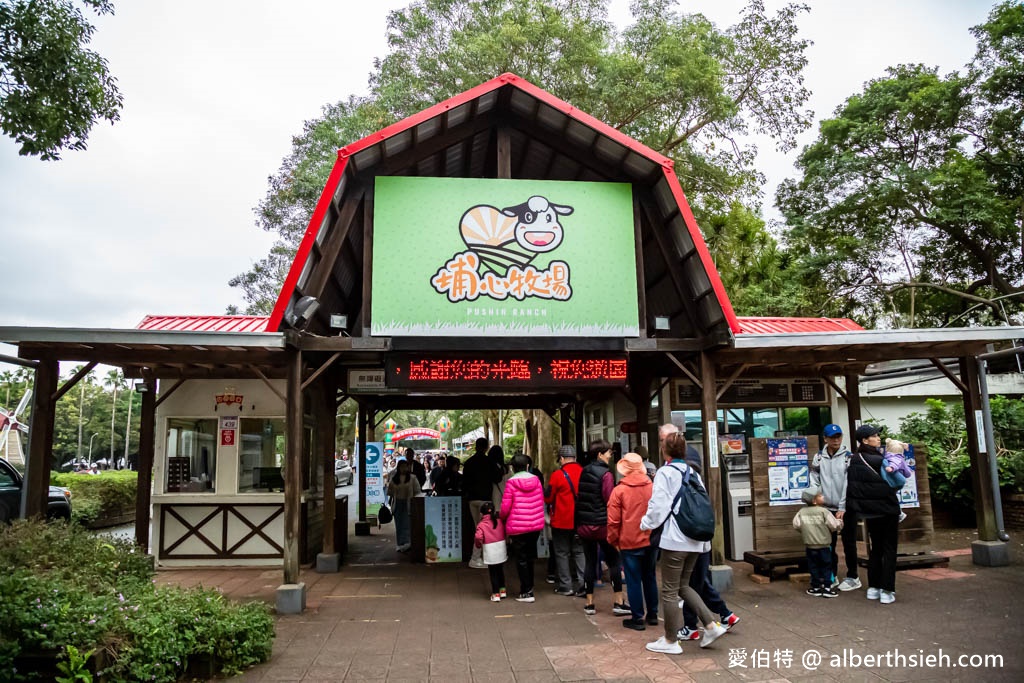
384, 619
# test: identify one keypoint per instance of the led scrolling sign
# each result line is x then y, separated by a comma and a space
519, 372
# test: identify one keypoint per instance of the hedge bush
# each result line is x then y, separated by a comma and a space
73, 591
94, 496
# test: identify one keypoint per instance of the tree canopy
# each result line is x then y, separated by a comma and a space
53, 89
674, 81
910, 208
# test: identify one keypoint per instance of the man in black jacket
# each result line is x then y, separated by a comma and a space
478, 479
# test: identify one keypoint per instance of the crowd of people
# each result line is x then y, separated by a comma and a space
630, 525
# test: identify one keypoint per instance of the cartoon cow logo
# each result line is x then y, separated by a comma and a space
513, 236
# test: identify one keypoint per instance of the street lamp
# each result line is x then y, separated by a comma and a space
90, 448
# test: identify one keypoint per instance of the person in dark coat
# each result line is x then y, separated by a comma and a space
478, 479
596, 484
872, 499
418, 470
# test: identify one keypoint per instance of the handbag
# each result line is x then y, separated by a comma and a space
694, 516
384, 515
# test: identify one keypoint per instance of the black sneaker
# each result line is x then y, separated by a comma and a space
620, 609
635, 624
652, 619
829, 593
564, 591
525, 597
815, 592
589, 610
551, 578
580, 593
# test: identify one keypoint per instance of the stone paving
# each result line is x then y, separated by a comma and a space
383, 618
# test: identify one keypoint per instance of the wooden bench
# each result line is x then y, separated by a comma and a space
764, 563
922, 560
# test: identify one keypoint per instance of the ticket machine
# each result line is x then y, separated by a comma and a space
739, 525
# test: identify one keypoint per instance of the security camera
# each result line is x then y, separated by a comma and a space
301, 312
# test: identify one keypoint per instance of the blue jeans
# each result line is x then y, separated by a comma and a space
700, 581
819, 564
641, 581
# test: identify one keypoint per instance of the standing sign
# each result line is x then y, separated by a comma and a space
442, 528
500, 257
374, 476
788, 470
228, 430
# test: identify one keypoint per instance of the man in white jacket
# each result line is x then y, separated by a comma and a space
828, 475
679, 553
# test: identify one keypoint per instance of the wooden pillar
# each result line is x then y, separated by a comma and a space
326, 431
564, 417
712, 473
293, 468
144, 483
853, 406
40, 445
981, 484
360, 456
577, 416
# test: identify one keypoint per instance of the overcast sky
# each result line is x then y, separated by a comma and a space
157, 214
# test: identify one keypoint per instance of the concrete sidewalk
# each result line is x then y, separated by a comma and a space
384, 618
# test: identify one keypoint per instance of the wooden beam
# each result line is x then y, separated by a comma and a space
326, 426
293, 469
144, 483
981, 479
321, 370
730, 380
686, 371
831, 382
712, 472
270, 385
961, 387
40, 440
577, 414
853, 405
82, 372
364, 311
435, 145
164, 396
638, 249
363, 418
332, 246
504, 144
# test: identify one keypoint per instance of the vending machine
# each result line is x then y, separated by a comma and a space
736, 489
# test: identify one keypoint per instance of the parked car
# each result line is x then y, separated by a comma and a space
343, 474
58, 505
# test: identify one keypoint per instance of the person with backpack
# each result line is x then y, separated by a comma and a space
560, 496
596, 484
679, 499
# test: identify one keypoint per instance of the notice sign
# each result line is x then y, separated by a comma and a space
788, 470
374, 461
228, 430
443, 528
908, 494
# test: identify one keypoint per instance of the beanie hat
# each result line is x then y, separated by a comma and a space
566, 452
809, 494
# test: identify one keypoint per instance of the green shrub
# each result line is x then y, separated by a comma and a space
73, 588
96, 495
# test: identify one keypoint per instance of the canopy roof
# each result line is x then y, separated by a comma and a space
508, 128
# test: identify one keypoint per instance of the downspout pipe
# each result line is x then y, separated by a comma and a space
990, 446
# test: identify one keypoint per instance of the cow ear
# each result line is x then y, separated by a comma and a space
562, 209
510, 211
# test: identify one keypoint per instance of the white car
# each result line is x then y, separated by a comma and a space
343, 474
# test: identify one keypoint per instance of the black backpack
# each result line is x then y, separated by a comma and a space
694, 516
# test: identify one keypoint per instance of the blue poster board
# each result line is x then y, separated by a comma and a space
442, 520
788, 470
375, 490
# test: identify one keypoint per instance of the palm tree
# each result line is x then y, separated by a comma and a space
114, 381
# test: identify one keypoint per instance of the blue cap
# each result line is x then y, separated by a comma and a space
833, 430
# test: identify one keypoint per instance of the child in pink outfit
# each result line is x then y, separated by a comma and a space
522, 508
490, 537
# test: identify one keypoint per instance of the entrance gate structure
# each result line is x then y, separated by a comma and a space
500, 249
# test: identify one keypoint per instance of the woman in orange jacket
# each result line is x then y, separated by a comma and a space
626, 507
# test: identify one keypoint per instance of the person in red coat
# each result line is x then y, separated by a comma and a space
626, 507
560, 496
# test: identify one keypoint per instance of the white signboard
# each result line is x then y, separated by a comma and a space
366, 380
375, 473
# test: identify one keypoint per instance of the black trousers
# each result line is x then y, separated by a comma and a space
849, 534
497, 572
819, 561
524, 547
593, 566
883, 533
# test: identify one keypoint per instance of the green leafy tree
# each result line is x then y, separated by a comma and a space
53, 88
910, 207
674, 81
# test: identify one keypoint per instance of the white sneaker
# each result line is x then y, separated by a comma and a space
903, 516
874, 593
850, 584
887, 597
712, 633
665, 647
477, 563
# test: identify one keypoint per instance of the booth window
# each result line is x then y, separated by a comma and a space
191, 455
261, 455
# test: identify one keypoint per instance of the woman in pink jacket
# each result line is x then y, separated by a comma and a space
522, 508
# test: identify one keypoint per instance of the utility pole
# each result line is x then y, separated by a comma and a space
81, 405
128, 426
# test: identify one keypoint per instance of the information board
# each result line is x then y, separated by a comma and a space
375, 494
442, 521
492, 372
788, 470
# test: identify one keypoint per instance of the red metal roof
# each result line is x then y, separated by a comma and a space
756, 325
205, 323
401, 135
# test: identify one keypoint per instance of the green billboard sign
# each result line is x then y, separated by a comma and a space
486, 257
